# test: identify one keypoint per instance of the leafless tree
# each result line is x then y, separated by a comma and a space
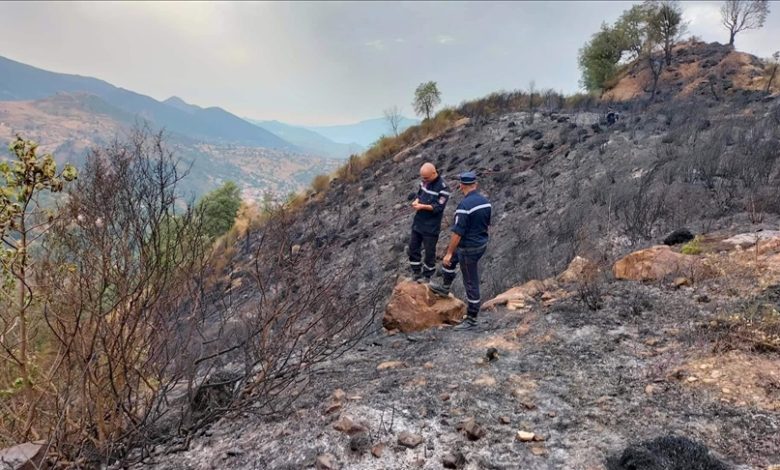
149, 336
740, 15
393, 117
771, 70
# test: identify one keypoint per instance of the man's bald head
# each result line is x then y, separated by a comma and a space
428, 172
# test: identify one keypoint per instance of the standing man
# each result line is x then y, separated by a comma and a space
468, 244
429, 206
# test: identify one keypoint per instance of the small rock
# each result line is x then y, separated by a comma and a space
485, 381
410, 440
492, 354
551, 414
692, 379
390, 365
525, 436
504, 419
377, 450
347, 426
338, 395
444, 396
428, 365
326, 462
359, 443
454, 460
681, 282
332, 407
538, 451
703, 299
27, 456
649, 389
472, 429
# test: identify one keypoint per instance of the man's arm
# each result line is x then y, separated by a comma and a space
454, 242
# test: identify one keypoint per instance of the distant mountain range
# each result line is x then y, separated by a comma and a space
20, 82
69, 114
363, 133
308, 140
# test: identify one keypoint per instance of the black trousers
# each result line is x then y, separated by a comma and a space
468, 258
418, 242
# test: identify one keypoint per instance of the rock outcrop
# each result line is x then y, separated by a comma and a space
658, 263
413, 307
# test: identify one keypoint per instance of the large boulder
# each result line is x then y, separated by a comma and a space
658, 263
413, 307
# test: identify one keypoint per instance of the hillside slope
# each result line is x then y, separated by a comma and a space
652, 360
698, 69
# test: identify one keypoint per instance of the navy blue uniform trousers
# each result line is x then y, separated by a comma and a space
468, 258
417, 242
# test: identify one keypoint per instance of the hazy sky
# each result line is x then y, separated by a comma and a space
323, 62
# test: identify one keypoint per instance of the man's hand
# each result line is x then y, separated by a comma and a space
422, 207
446, 260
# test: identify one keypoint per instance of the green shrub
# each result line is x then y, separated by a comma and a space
693, 247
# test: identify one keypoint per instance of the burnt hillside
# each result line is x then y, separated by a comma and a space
564, 184
640, 373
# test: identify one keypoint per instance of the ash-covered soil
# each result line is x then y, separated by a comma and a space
587, 384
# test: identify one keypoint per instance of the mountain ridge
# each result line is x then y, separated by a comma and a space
21, 82
363, 133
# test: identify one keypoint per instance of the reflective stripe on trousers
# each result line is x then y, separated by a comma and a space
468, 258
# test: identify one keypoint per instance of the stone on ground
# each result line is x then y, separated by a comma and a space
413, 307
410, 440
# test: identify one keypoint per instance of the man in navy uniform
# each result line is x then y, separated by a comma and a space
432, 197
468, 244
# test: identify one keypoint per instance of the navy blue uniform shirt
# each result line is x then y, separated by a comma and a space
472, 218
436, 193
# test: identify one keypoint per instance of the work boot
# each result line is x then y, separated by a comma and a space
440, 290
424, 280
417, 277
469, 323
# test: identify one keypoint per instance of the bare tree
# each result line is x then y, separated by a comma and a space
393, 117
739, 15
144, 336
771, 70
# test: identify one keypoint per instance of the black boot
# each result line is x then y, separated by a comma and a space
469, 323
440, 290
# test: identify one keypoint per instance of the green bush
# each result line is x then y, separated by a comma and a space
219, 208
693, 247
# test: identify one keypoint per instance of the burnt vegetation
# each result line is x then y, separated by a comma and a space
143, 331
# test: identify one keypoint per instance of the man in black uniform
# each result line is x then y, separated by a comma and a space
468, 244
432, 197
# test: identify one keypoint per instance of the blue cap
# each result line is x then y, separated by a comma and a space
467, 177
